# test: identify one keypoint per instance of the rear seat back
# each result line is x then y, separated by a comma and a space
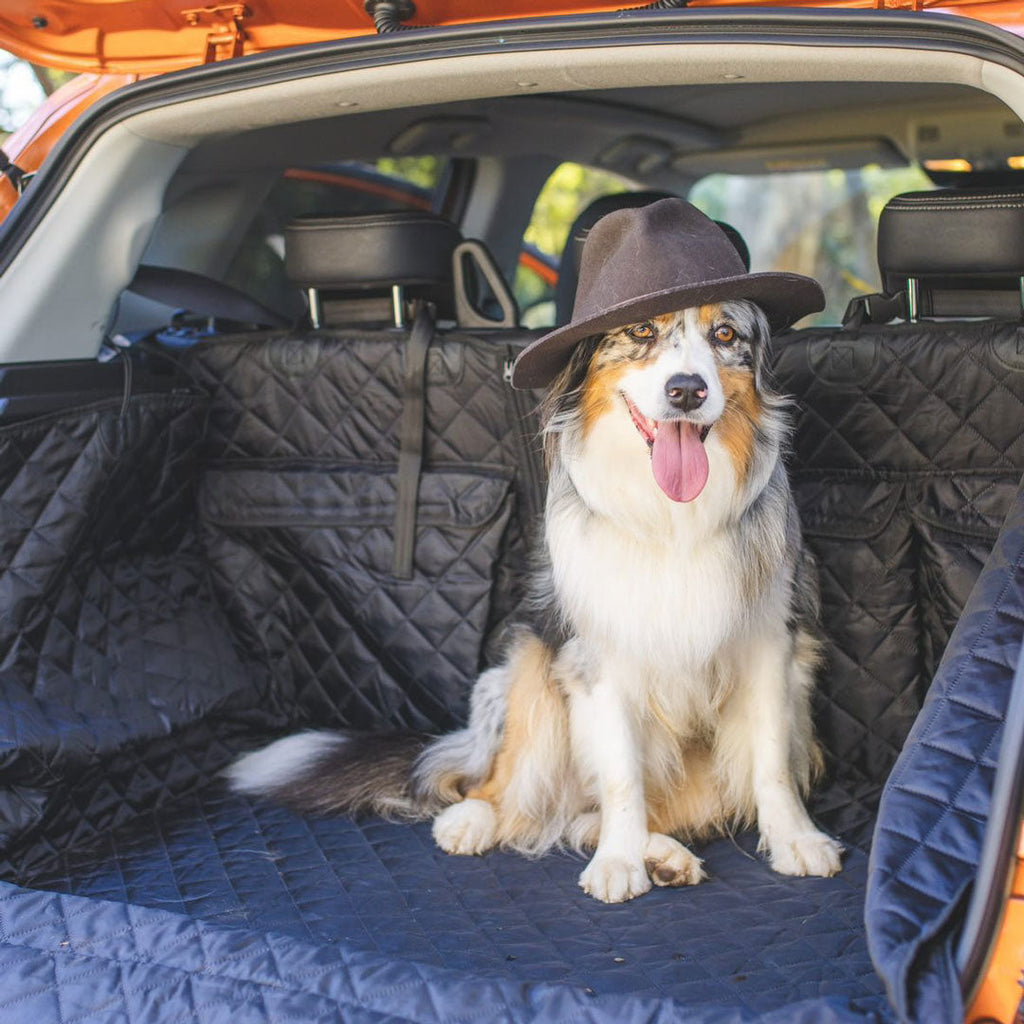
905, 460
299, 500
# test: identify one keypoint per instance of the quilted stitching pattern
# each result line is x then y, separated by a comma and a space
302, 560
347, 643
385, 889
73, 959
107, 631
907, 451
936, 802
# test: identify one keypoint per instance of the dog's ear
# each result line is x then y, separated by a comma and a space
561, 402
760, 347
564, 393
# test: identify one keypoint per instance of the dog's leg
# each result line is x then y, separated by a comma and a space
605, 745
755, 752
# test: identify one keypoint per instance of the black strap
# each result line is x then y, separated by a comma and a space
12, 170
410, 453
875, 309
203, 295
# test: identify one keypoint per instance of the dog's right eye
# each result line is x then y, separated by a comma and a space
642, 332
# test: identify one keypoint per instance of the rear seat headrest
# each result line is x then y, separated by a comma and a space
954, 252
369, 255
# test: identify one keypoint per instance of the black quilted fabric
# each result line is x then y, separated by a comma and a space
297, 506
109, 636
182, 574
907, 453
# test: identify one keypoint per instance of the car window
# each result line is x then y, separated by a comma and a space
406, 183
820, 223
569, 190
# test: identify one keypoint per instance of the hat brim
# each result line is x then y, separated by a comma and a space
785, 298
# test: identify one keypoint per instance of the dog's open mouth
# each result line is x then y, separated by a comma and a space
678, 458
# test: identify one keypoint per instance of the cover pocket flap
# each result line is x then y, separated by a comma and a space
319, 496
845, 507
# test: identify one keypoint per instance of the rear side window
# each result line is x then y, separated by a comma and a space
351, 188
569, 190
820, 223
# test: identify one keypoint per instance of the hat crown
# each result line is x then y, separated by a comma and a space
634, 252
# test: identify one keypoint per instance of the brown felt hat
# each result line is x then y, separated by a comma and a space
644, 262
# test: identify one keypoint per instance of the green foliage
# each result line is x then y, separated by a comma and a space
424, 171
565, 194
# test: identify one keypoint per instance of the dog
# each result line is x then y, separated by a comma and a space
660, 689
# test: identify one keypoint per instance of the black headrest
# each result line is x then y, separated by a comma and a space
366, 256
962, 249
569, 266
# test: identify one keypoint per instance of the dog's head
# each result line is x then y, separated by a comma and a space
678, 378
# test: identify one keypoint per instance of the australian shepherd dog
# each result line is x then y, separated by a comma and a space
662, 691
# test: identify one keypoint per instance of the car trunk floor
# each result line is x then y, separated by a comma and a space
746, 937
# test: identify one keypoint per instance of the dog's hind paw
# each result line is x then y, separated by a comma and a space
670, 863
809, 853
613, 879
467, 827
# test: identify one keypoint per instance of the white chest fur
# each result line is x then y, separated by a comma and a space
641, 577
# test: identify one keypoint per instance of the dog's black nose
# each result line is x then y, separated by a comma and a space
686, 391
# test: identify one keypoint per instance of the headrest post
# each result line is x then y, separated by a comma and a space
314, 306
398, 305
1021, 281
912, 299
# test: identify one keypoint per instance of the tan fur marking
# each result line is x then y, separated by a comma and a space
691, 804
599, 391
737, 425
665, 322
708, 316
535, 720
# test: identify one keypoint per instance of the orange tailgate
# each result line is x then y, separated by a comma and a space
149, 36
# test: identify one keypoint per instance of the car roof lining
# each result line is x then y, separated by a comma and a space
60, 288
538, 124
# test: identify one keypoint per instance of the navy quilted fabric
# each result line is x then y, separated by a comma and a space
71, 959
746, 942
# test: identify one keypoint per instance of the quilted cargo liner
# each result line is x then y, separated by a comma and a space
184, 574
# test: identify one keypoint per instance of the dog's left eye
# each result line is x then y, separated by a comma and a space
642, 332
725, 335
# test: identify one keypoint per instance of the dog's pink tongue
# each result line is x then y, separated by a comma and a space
679, 460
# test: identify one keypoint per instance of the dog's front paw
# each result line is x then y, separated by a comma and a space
615, 879
468, 827
668, 862
808, 853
